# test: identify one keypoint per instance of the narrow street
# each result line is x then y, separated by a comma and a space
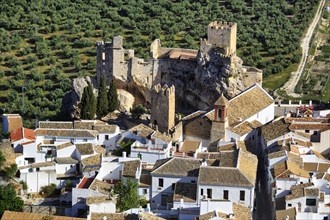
263, 203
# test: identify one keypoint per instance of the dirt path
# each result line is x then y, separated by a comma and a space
291, 84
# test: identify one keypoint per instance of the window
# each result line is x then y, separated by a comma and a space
289, 205
306, 131
242, 195
193, 181
145, 191
97, 137
106, 137
160, 182
225, 194
72, 139
315, 133
209, 193
310, 202
202, 192
85, 140
253, 137
38, 169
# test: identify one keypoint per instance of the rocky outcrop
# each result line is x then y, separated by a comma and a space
126, 100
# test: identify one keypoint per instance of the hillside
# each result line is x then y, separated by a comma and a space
45, 44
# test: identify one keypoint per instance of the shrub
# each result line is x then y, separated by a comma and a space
49, 190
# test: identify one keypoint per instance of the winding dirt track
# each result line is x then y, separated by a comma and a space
291, 84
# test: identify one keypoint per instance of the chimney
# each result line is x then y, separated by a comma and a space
181, 202
124, 154
203, 163
148, 207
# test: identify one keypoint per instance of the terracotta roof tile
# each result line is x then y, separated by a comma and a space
93, 160
282, 214
309, 126
222, 101
274, 129
241, 212
64, 145
100, 186
66, 160
84, 124
190, 146
37, 165
98, 200
161, 136
142, 130
179, 167
21, 133
130, 168
10, 215
66, 132
14, 121
85, 148
56, 124
297, 191
285, 168
185, 191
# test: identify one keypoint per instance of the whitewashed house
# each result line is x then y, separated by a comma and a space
21, 136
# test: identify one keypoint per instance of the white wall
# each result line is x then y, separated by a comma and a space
143, 194
233, 193
110, 170
110, 144
167, 187
219, 205
302, 201
83, 193
105, 207
67, 152
35, 180
65, 168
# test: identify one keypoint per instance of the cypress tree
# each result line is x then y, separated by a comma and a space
102, 100
88, 103
112, 97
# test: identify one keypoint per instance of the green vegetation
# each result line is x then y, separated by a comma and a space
124, 146
24, 185
138, 111
45, 44
112, 97
9, 200
102, 100
88, 103
128, 196
7, 172
48, 191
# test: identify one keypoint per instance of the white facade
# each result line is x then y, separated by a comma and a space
233, 194
108, 139
79, 199
36, 180
150, 152
104, 207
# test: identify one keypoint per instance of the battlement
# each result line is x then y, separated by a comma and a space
222, 25
223, 34
164, 90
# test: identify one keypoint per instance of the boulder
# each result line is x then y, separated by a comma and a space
126, 100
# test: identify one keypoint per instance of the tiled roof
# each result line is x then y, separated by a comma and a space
185, 191
247, 163
222, 101
276, 154
21, 133
241, 212
10, 215
297, 191
245, 145
98, 200
311, 191
142, 130
274, 129
309, 126
66, 132
92, 160
66, 160
213, 214
130, 168
84, 124
179, 167
148, 216
56, 124
295, 159
85, 183
37, 165
100, 186
285, 168
105, 128
193, 115
114, 216
222, 176
64, 145
190, 146
247, 104
307, 119
85, 148
225, 158
161, 136
14, 121
241, 129
282, 214
226, 147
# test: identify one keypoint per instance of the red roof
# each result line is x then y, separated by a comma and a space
85, 183
21, 133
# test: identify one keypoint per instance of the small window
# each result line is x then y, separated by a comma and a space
97, 137
202, 192
225, 194
253, 137
289, 205
145, 191
315, 133
106, 137
81, 200
72, 139
85, 140
310, 202
160, 182
193, 181
306, 131
242, 195
209, 193
38, 169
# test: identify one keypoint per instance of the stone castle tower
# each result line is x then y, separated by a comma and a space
220, 121
223, 35
163, 107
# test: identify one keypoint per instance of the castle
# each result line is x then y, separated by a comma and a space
199, 76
